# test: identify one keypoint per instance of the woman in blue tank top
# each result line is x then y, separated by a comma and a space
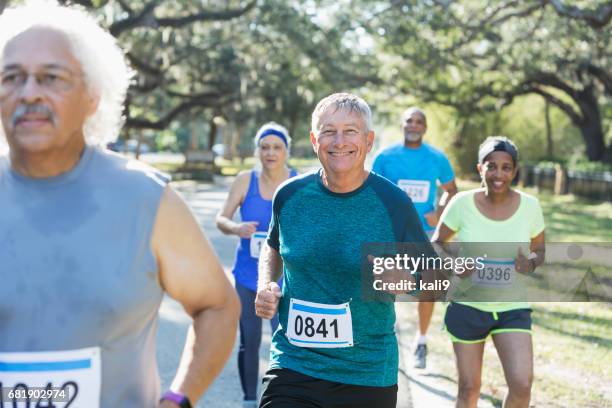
252, 191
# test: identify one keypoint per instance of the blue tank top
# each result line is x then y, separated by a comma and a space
77, 271
253, 208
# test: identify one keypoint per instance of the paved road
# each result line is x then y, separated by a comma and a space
205, 200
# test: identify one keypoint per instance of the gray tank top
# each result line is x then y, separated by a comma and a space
77, 270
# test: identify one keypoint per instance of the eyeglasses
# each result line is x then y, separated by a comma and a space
55, 81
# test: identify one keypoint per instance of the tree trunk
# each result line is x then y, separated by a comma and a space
138, 146
212, 136
3, 4
549, 140
463, 126
194, 146
593, 137
590, 125
237, 134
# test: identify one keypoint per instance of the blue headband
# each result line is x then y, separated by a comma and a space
497, 146
274, 132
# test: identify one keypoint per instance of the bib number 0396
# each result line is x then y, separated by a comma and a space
319, 325
495, 273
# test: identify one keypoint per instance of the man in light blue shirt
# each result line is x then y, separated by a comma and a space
418, 169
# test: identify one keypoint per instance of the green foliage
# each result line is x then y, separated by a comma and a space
168, 141
271, 63
182, 138
589, 167
523, 122
474, 65
479, 57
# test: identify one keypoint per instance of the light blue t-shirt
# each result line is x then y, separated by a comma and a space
416, 171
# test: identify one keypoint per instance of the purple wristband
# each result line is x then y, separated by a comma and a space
180, 399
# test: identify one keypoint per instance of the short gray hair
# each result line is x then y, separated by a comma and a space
105, 70
345, 102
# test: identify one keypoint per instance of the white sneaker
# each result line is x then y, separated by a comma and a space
420, 356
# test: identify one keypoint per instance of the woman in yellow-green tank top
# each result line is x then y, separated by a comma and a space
511, 224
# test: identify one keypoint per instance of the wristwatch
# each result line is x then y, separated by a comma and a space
180, 399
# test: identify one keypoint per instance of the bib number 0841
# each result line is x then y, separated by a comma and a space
307, 327
311, 324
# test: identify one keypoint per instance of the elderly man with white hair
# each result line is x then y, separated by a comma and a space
90, 241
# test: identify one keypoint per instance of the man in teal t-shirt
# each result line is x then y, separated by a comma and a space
333, 347
418, 168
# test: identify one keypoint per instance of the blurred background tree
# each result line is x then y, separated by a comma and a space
212, 71
231, 64
480, 57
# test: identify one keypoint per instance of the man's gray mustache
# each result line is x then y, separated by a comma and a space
23, 110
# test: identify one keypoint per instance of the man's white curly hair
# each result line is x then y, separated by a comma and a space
103, 63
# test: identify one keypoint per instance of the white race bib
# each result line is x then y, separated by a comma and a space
319, 325
74, 376
257, 240
417, 190
497, 273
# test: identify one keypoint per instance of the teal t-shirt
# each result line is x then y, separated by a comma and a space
501, 238
417, 172
319, 235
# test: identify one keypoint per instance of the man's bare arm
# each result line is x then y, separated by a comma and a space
191, 273
450, 189
268, 292
270, 267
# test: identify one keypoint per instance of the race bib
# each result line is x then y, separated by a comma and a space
257, 240
417, 190
59, 379
319, 325
498, 273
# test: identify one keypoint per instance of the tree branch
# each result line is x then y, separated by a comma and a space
565, 107
164, 122
198, 96
142, 66
595, 18
205, 16
545, 78
134, 21
148, 86
604, 77
126, 7
147, 18
478, 28
519, 13
3, 4
84, 3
